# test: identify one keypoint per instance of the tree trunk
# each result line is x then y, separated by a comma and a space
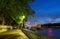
23, 25
3, 21
9, 21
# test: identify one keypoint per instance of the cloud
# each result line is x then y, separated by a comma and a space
48, 20
46, 10
57, 20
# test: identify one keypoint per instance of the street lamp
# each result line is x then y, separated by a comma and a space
23, 21
23, 16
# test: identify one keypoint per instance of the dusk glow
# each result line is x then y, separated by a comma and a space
46, 10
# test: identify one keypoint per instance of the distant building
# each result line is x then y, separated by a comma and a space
38, 26
28, 25
52, 25
35, 23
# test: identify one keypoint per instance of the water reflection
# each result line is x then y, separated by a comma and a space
51, 31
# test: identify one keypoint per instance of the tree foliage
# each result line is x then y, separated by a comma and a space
14, 10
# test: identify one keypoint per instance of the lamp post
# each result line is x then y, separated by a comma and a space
23, 21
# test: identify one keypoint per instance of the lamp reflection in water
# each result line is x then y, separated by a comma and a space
50, 33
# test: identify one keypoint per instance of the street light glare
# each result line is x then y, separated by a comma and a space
23, 16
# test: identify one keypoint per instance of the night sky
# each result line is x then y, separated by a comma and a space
46, 11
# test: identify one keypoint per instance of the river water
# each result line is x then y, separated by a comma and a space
51, 32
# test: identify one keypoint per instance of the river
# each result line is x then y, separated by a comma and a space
51, 32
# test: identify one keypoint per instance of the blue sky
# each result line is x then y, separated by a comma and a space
46, 11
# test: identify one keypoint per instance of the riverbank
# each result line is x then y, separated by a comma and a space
23, 34
36, 35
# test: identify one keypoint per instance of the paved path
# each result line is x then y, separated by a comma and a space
13, 34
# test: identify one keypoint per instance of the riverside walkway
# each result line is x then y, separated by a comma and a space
36, 35
13, 34
23, 34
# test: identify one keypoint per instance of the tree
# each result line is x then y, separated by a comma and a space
14, 10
